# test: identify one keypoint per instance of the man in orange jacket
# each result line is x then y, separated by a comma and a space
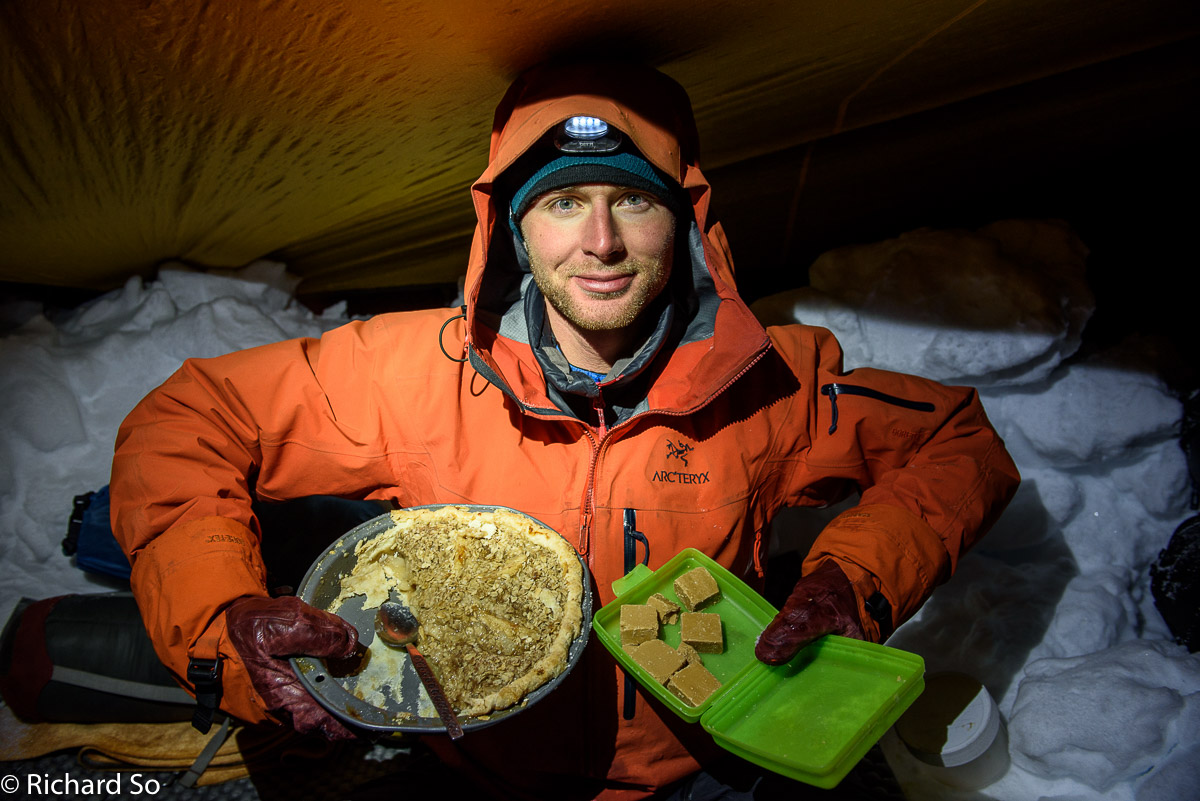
603, 363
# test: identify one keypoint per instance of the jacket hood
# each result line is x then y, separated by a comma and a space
654, 114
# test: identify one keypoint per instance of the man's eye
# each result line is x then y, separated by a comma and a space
562, 204
636, 200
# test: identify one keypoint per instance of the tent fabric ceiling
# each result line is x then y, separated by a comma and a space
342, 137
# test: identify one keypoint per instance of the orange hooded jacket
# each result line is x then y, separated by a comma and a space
725, 425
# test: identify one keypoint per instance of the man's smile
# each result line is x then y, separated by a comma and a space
604, 283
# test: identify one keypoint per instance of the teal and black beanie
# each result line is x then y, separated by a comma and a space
622, 169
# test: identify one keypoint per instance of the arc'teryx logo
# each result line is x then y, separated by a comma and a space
679, 450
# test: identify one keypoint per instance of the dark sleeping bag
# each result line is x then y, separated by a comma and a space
86, 659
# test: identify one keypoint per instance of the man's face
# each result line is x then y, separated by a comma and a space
599, 253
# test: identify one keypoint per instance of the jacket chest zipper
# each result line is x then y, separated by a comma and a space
589, 498
832, 391
588, 505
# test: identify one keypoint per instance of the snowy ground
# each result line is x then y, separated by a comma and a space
1052, 612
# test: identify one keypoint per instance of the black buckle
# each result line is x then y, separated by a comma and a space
71, 544
881, 612
205, 676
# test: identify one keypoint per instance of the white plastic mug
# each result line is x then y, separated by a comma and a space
955, 727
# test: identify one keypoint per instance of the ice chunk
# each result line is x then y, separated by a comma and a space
263, 284
1105, 717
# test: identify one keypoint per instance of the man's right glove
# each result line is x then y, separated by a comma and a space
823, 602
265, 631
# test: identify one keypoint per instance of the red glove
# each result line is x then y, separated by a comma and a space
265, 631
824, 602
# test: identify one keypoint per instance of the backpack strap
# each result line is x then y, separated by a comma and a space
193, 773
125, 687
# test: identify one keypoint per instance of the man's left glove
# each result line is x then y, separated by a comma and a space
823, 602
265, 631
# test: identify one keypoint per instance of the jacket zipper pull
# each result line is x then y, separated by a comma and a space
632, 538
585, 531
598, 406
831, 390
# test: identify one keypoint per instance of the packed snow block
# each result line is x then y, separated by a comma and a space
1175, 779
1094, 613
1003, 305
1107, 717
265, 285
39, 405
1087, 415
68, 380
1156, 475
1189, 439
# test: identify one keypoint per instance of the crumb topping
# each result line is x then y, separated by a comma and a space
498, 598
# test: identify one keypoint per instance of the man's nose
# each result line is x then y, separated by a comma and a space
601, 237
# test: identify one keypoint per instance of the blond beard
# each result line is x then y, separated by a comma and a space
651, 279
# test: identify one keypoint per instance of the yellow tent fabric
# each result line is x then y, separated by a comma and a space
341, 137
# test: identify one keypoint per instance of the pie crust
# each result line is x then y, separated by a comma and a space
497, 595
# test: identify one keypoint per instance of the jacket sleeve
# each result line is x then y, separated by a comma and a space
189, 459
933, 474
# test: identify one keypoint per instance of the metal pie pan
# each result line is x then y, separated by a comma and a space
400, 709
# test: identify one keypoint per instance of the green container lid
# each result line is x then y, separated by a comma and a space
811, 719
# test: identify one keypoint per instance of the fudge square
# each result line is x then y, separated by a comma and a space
668, 610
639, 622
696, 588
659, 659
702, 631
694, 684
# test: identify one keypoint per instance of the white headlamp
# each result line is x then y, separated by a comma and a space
586, 135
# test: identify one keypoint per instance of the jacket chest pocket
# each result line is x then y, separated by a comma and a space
681, 473
688, 492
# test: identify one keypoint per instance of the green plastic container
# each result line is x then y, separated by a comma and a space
811, 719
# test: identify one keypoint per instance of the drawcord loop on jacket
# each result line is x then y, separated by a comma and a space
461, 315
